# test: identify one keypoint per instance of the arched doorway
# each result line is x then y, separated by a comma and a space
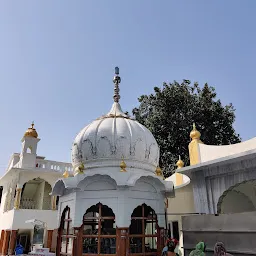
143, 232
65, 242
98, 231
238, 198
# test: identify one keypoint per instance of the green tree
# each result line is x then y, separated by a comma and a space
170, 112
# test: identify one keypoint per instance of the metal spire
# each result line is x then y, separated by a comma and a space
116, 81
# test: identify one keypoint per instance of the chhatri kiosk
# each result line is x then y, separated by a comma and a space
115, 202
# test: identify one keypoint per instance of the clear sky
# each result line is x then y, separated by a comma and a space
57, 61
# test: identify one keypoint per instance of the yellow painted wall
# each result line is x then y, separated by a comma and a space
183, 202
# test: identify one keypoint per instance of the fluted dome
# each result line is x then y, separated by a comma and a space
113, 138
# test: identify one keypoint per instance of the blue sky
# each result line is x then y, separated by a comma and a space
57, 60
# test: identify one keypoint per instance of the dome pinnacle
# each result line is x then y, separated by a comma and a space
116, 81
180, 163
195, 134
31, 132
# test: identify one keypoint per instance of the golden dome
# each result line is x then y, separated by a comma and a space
180, 163
31, 132
195, 134
159, 171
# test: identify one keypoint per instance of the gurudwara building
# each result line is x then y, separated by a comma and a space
110, 201
115, 202
26, 194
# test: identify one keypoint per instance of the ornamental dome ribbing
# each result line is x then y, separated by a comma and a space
115, 137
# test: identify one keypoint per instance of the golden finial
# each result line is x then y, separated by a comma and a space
66, 174
195, 134
158, 171
31, 132
116, 81
180, 163
123, 165
81, 168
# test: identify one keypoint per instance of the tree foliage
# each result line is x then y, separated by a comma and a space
170, 112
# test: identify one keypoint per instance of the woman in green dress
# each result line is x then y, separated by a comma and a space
199, 251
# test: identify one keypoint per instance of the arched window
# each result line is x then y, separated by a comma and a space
143, 231
66, 233
29, 150
99, 231
35, 195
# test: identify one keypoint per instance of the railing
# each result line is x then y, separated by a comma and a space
27, 203
52, 165
30, 204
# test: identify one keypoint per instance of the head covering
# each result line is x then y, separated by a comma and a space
171, 245
176, 241
219, 249
172, 239
199, 251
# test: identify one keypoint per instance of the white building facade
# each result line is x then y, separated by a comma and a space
26, 188
218, 196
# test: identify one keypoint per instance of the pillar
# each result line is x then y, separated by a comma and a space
49, 239
1, 240
54, 207
78, 249
17, 199
6, 242
122, 242
12, 242
160, 240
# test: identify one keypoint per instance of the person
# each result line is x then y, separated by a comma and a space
171, 245
220, 250
165, 249
199, 251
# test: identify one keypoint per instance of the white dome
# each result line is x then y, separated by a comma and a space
113, 137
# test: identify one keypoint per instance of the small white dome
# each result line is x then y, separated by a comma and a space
113, 137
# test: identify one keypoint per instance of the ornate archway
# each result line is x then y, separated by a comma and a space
66, 236
98, 231
144, 232
238, 198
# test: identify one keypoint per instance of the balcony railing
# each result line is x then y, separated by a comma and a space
52, 165
28, 203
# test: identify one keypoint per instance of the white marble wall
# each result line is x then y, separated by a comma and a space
210, 183
122, 200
